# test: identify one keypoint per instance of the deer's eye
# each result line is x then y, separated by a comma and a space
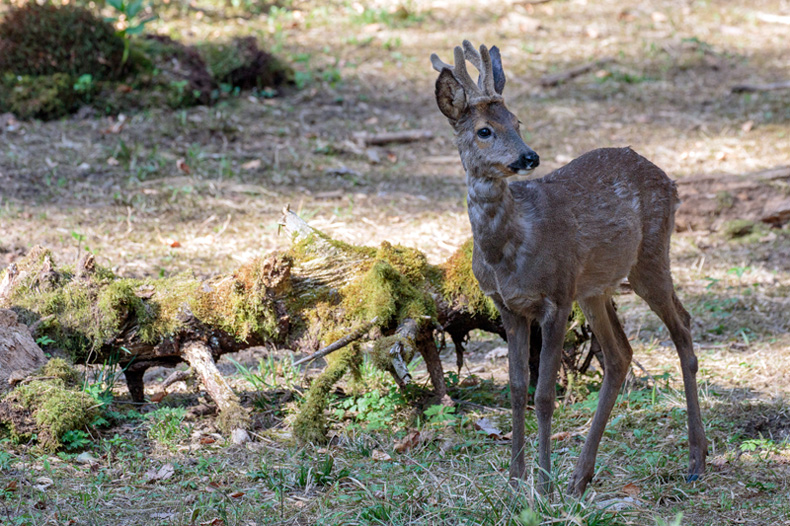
484, 133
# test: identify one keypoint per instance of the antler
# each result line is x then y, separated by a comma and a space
484, 88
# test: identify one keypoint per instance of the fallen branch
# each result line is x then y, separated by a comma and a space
378, 139
232, 415
339, 344
752, 88
402, 351
558, 78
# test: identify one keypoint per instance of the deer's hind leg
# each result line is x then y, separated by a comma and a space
653, 282
617, 354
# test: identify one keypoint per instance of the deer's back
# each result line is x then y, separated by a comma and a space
600, 212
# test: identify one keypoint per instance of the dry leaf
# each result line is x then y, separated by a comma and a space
156, 398
562, 435
380, 456
252, 165
487, 427
632, 490
391, 157
207, 440
470, 381
409, 441
164, 473
42, 483
12, 485
747, 126
237, 494
183, 166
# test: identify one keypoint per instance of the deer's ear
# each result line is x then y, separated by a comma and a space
496, 66
450, 95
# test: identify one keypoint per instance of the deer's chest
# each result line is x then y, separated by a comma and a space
509, 285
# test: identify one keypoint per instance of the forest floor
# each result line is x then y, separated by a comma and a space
201, 190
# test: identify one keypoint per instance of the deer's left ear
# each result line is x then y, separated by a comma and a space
499, 73
450, 95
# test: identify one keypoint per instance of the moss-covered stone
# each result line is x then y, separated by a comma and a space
62, 370
46, 409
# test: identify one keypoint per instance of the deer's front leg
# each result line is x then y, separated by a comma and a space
517, 329
553, 328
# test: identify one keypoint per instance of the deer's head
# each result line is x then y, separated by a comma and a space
487, 134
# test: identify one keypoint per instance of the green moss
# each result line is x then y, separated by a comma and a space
60, 369
739, 228
45, 40
41, 97
386, 293
311, 424
380, 355
460, 287
54, 407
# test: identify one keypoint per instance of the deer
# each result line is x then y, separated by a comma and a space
573, 235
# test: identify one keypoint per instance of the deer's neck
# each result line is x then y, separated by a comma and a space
497, 222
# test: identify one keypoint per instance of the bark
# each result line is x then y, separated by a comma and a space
19, 353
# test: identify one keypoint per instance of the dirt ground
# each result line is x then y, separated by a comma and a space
163, 191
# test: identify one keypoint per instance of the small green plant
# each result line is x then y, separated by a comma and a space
372, 410
272, 373
75, 439
677, 521
441, 415
85, 86
128, 20
167, 425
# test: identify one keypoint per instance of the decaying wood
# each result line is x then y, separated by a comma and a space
752, 88
19, 353
710, 200
557, 78
339, 344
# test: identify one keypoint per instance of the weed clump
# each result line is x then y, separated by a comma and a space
47, 409
240, 63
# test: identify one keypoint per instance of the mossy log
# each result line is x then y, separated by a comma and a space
302, 299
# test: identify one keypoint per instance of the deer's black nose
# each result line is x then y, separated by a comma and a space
526, 161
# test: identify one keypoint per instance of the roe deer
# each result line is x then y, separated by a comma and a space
574, 234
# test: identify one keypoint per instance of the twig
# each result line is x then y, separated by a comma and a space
650, 376
339, 344
558, 78
479, 406
750, 88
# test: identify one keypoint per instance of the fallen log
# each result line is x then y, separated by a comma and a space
303, 299
709, 201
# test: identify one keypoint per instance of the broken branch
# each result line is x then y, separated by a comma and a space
558, 78
751, 88
339, 344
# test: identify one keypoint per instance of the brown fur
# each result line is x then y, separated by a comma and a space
572, 235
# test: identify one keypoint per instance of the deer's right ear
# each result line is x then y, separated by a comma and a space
450, 95
499, 73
